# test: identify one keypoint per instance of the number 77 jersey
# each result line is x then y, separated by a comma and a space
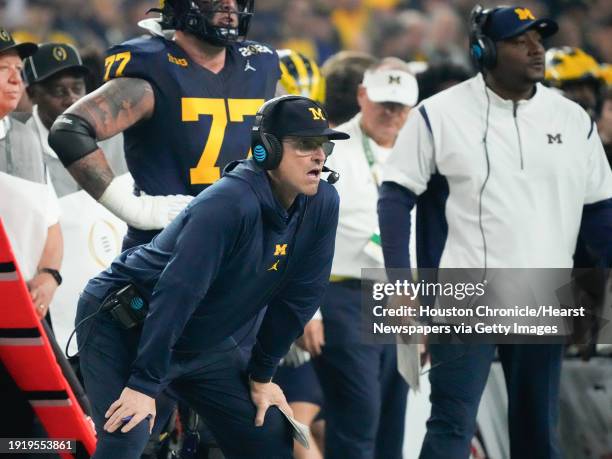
202, 121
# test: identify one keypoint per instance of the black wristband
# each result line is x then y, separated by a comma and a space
54, 272
260, 380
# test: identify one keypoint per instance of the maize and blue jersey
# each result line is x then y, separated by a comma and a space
201, 122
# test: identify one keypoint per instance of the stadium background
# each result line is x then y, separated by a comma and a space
430, 30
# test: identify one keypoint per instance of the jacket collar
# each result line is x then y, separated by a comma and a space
258, 180
497, 101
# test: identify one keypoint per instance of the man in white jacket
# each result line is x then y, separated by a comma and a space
513, 166
365, 397
56, 79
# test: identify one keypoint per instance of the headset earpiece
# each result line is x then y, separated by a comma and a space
267, 149
482, 48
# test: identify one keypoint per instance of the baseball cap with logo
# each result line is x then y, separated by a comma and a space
510, 21
7, 44
389, 85
50, 59
300, 117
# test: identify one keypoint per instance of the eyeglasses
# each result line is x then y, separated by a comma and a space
305, 146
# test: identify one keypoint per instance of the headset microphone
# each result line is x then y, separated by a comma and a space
333, 175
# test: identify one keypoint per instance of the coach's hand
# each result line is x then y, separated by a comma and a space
313, 338
131, 408
265, 395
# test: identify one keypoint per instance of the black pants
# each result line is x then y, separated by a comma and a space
212, 382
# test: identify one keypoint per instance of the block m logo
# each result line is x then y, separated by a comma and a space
317, 113
554, 138
524, 14
281, 249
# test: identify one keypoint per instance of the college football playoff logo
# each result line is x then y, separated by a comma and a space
59, 54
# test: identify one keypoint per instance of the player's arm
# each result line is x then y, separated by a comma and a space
111, 109
596, 224
405, 175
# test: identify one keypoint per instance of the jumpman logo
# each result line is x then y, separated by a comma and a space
248, 66
274, 267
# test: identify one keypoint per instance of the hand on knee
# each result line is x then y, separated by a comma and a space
265, 395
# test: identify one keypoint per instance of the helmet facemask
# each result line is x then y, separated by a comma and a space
197, 16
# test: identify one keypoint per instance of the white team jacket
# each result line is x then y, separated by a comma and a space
545, 162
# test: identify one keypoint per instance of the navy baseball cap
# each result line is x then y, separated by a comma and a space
7, 43
300, 117
507, 22
53, 58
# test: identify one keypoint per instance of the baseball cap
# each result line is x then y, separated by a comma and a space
510, 21
390, 85
50, 59
7, 43
300, 117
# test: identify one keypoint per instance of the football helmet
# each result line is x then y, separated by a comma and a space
196, 17
567, 64
300, 75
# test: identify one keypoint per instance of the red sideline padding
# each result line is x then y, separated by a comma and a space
27, 355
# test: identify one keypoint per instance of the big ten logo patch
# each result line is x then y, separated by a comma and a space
175, 60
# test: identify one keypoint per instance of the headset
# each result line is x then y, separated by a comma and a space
482, 48
266, 147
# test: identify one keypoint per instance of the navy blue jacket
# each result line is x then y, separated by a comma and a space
230, 253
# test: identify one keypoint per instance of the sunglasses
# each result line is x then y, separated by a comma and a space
306, 146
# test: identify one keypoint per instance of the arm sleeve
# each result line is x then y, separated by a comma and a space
412, 162
405, 176
295, 305
192, 267
599, 176
596, 231
394, 205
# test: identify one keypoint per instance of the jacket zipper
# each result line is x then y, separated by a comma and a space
518, 133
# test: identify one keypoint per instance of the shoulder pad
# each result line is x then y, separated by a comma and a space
136, 58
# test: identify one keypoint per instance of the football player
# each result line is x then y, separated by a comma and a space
185, 102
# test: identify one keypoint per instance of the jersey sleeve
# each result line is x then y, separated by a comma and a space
133, 59
411, 162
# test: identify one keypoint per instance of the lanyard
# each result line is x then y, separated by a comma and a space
369, 154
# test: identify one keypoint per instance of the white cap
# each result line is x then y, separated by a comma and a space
389, 85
